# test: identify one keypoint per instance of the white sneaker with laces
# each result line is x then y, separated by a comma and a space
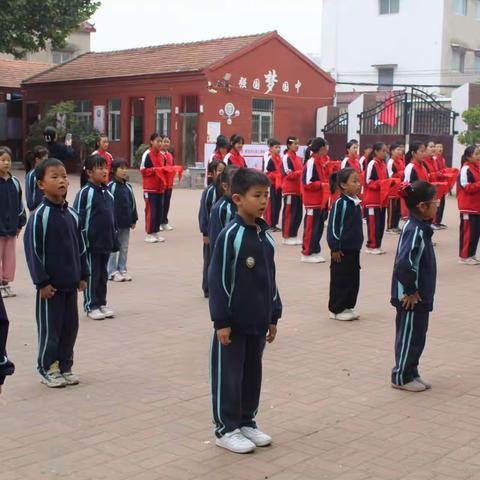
159, 238
151, 239
3, 292
298, 241
126, 277
9, 291
118, 277
374, 251
311, 259
289, 241
412, 386
71, 378
235, 442
469, 261
161, 228
345, 316
353, 312
96, 314
107, 311
167, 227
332, 316
322, 260
53, 378
256, 436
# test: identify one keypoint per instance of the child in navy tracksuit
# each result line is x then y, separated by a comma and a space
95, 205
345, 239
224, 209
12, 219
273, 170
209, 197
413, 284
56, 257
6, 366
244, 306
33, 194
126, 218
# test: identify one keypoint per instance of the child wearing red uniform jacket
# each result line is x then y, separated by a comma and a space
367, 150
375, 175
291, 190
315, 190
468, 196
273, 170
170, 177
352, 160
234, 156
151, 169
395, 169
220, 151
101, 147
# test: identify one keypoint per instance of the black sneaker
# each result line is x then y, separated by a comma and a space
6, 367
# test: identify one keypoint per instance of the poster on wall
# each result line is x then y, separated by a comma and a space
99, 118
213, 131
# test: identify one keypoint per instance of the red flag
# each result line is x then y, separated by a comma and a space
389, 114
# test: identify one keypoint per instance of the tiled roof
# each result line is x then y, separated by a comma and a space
171, 58
13, 72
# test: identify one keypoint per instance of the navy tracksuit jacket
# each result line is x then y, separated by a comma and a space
221, 214
95, 205
56, 255
244, 297
12, 211
33, 194
125, 207
415, 270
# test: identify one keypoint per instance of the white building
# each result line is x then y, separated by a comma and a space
414, 42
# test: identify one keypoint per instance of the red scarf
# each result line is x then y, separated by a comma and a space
296, 160
237, 159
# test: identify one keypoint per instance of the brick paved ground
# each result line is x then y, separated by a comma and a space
143, 410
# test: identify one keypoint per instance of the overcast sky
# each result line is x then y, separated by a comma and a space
138, 23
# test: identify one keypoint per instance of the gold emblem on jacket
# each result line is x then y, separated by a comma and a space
250, 262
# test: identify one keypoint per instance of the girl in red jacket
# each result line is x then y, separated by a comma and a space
234, 155
291, 190
315, 198
395, 169
220, 151
468, 196
415, 168
375, 175
273, 170
154, 185
170, 177
101, 147
352, 160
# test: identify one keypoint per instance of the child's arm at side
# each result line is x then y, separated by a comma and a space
335, 228
22, 216
35, 250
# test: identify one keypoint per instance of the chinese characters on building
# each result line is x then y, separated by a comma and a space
270, 80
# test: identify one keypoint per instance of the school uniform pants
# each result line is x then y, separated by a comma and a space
3, 331
272, 213
469, 234
375, 226
410, 337
118, 260
236, 379
57, 325
312, 230
95, 295
166, 205
292, 215
344, 282
153, 212
440, 211
393, 213
206, 264
7, 259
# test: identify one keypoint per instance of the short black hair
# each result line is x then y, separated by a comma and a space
41, 170
92, 162
246, 178
272, 142
118, 163
226, 177
417, 192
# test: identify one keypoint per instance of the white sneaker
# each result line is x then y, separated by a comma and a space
322, 260
469, 261
345, 316
53, 378
353, 312
167, 227
9, 291
434, 227
311, 259
256, 436
151, 239
374, 251
117, 277
298, 241
161, 228
126, 277
412, 386
332, 316
159, 238
3, 292
235, 442
96, 314
70, 378
107, 311
289, 241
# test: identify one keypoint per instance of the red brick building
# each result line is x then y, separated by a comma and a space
257, 85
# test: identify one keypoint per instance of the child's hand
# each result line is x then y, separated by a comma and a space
133, 226
47, 292
82, 286
337, 256
409, 301
206, 240
272, 333
223, 336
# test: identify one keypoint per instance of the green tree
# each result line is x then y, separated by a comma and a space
62, 116
472, 135
27, 25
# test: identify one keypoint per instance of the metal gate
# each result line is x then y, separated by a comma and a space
335, 133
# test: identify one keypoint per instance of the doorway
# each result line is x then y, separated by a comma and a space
136, 125
189, 138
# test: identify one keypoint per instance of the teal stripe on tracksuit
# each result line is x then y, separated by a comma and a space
405, 346
237, 243
87, 298
88, 210
224, 264
219, 390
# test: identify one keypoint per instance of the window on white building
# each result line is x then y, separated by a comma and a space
389, 6
477, 10
460, 7
61, 57
83, 111
477, 61
262, 120
114, 109
385, 78
458, 59
164, 115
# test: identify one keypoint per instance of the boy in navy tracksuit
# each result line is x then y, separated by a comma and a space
56, 257
95, 205
126, 218
33, 193
244, 306
413, 285
6, 366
